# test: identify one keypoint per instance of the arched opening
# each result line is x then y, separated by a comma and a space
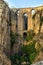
32, 12
25, 20
18, 12
24, 35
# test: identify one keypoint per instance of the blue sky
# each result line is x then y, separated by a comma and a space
24, 3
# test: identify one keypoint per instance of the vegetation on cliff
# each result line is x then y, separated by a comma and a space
30, 35
12, 38
28, 52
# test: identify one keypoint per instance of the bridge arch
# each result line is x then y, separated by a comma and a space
25, 21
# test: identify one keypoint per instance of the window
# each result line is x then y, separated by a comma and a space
25, 20
18, 12
33, 11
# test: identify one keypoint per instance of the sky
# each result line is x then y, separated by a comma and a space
24, 3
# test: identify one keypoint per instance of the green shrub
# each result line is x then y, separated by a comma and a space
32, 56
12, 39
28, 38
30, 48
29, 51
28, 54
30, 35
15, 58
22, 59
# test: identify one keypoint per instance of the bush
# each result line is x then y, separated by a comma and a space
30, 35
32, 56
29, 51
30, 48
17, 59
12, 39
28, 54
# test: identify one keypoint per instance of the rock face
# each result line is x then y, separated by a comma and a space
4, 34
38, 63
18, 21
4, 60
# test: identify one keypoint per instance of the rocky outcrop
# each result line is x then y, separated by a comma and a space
4, 60
38, 63
4, 34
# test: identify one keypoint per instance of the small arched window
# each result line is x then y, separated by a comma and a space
18, 13
25, 15
33, 11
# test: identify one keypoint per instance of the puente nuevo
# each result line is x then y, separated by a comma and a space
17, 20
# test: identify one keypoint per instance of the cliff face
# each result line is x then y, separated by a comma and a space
19, 21
38, 63
4, 34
